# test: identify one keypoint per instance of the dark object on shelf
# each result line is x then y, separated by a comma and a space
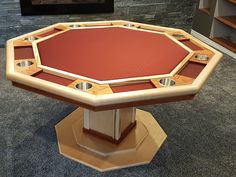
203, 18
36, 7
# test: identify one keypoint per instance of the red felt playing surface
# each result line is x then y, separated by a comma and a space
192, 69
23, 52
111, 53
53, 78
191, 45
132, 87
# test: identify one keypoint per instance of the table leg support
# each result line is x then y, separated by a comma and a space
112, 125
137, 145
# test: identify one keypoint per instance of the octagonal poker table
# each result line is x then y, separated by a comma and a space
108, 68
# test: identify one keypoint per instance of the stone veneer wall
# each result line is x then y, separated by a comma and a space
172, 13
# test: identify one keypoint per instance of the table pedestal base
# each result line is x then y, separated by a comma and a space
137, 148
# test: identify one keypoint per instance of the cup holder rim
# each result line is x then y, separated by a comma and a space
178, 35
83, 86
31, 38
25, 63
202, 57
167, 82
75, 25
129, 25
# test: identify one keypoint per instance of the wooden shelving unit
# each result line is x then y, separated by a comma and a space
216, 20
232, 1
225, 43
204, 6
205, 10
228, 20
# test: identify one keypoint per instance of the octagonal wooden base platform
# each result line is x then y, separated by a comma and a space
138, 148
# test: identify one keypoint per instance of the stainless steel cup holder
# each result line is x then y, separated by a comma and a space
201, 57
166, 82
178, 35
83, 86
25, 63
31, 38
129, 25
75, 25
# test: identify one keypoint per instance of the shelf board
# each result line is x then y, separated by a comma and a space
225, 43
232, 1
228, 20
205, 10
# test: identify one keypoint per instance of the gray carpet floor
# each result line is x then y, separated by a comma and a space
201, 133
